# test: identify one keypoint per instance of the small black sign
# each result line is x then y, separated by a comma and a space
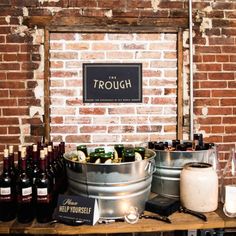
112, 82
72, 209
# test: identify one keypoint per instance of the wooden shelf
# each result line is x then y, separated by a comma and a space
180, 221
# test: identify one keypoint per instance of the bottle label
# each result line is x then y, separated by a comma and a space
5, 194
42, 191
5, 191
26, 191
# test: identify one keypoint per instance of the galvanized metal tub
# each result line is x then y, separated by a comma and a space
116, 186
169, 164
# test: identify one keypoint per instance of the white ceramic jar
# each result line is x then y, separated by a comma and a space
199, 187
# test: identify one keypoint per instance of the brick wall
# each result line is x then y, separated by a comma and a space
109, 123
21, 67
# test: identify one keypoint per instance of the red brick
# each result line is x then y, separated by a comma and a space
197, 58
134, 120
232, 84
169, 128
228, 31
230, 129
21, 93
95, 55
92, 111
163, 100
77, 46
209, 120
63, 74
29, 48
221, 41
8, 102
207, 102
93, 129
120, 55
200, 76
217, 129
208, 58
9, 66
229, 67
151, 73
57, 120
13, 130
84, 3
229, 138
64, 129
23, 57
9, 121
148, 128
220, 111
15, 111
202, 93
16, 38
80, 120
62, 36
29, 66
228, 49
224, 93
207, 49
63, 92
209, 67
32, 121
5, 30
78, 138
222, 58
74, 102
9, 57
9, 139
214, 139
121, 110
221, 76
3, 130
19, 75
229, 120
64, 55
152, 91
63, 111
227, 102
121, 129
213, 84
206, 129
29, 102
12, 84
94, 36
163, 64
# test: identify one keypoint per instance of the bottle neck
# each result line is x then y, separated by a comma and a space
42, 164
23, 164
6, 164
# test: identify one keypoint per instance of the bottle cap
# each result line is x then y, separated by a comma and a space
6, 152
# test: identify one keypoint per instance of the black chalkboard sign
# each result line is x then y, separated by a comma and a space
71, 209
112, 82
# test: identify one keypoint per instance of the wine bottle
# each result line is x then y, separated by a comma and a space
53, 174
24, 193
7, 191
43, 188
13, 170
35, 164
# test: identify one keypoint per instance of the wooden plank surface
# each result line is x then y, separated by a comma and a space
180, 221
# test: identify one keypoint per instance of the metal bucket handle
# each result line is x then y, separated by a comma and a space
150, 167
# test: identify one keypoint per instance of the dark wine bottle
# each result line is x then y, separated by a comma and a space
43, 188
35, 163
13, 170
24, 193
53, 174
7, 191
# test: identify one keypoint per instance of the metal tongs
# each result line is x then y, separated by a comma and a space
193, 213
156, 217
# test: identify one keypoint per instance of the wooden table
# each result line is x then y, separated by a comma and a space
180, 221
